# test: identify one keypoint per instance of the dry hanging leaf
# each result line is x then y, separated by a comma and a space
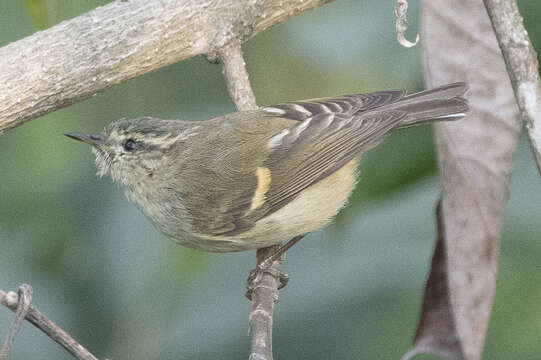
436, 332
475, 157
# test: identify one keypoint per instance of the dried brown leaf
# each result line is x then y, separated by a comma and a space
475, 157
436, 332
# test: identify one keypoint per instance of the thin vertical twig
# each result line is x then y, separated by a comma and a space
264, 293
238, 83
522, 66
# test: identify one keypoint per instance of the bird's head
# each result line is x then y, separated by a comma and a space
133, 150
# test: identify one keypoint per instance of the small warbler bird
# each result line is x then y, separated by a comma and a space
252, 179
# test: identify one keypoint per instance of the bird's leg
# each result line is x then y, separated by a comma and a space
266, 267
281, 251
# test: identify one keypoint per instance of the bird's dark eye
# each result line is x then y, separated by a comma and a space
130, 145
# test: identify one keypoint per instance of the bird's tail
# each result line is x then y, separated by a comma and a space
443, 103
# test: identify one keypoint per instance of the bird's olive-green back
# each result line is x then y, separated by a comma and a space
218, 177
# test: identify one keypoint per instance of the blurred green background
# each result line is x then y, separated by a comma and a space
101, 271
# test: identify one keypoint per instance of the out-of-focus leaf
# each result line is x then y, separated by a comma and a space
36, 10
475, 157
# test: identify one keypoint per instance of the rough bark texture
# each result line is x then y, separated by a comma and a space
121, 40
522, 66
475, 156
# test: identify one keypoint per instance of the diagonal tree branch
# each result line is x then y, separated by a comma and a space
21, 310
77, 58
522, 66
34, 316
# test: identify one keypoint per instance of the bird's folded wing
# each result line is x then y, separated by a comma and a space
308, 152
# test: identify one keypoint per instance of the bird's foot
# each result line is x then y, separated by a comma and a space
265, 267
256, 277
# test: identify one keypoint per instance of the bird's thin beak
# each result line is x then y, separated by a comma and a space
96, 140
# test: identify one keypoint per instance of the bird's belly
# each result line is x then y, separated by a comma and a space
312, 209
